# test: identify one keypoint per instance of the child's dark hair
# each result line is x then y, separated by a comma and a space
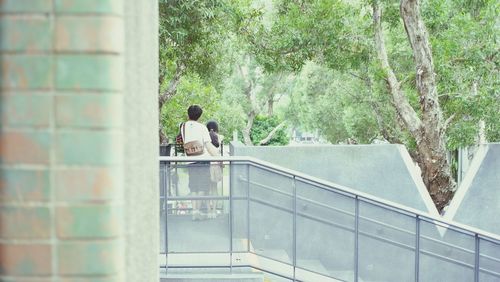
212, 125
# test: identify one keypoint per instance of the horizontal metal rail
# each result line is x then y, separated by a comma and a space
260, 185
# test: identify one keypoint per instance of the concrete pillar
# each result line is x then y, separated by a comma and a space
74, 162
141, 141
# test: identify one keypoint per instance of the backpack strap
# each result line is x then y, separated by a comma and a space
183, 125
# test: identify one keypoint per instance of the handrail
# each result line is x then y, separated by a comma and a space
337, 187
398, 229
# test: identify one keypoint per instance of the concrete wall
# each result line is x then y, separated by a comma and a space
385, 171
477, 201
74, 163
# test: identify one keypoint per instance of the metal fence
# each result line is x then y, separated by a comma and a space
302, 228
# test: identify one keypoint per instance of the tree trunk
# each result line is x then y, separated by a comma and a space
400, 102
163, 137
167, 95
429, 131
251, 100
481, 134
270, 106
436, 170
248, 128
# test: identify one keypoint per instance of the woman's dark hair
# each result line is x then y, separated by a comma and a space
212, 125
194, 112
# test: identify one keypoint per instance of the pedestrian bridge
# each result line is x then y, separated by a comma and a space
276, 224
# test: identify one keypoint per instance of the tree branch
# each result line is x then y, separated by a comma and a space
400, 102
246, 131
172, 87
357, 76
447, 122
422, 55
271, 134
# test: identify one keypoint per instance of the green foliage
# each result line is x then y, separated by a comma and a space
465, 39
337, 87
323, 30
462, 133
341, 106
263, 125
192, 90
230, 118
360, 123
193, 34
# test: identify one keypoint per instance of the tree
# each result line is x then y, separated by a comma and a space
464, 38
250, 84
350, 37
192, 34
429, 129
342, 106
354, 76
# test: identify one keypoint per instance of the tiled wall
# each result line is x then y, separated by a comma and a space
62, 145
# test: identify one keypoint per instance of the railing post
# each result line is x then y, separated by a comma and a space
294, 185
166, 188
248, 207
476, 258
356, 241
230, 220
417, 247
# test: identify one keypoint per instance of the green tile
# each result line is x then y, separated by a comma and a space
89, 34
25, 34
94, 111
24, 185
26, 109
26, 72
93, 258
25, 222
88, 184
89, 148
89, 6
25, 260
24, 147
96, 221
25, 6
89, 72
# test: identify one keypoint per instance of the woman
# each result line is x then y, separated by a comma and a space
215, 169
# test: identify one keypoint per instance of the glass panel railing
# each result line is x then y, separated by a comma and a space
271, 214
240, 205
325, 231
446, 254
489, 261
299, 227
386, 244
196, 210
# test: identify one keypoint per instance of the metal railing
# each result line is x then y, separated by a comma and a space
296, 226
